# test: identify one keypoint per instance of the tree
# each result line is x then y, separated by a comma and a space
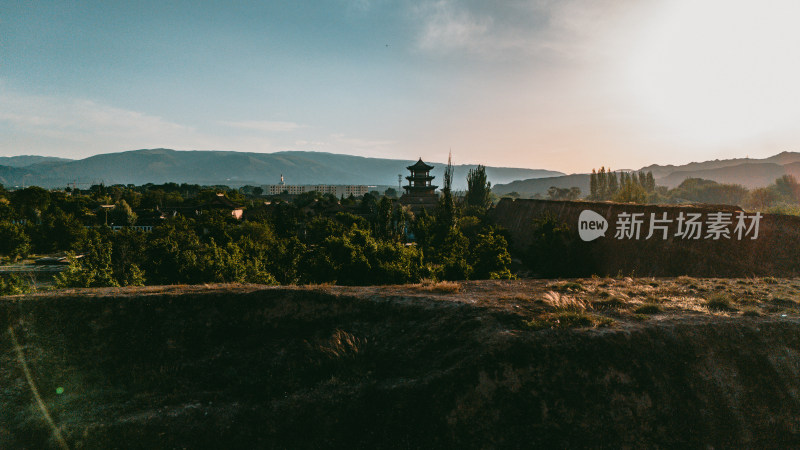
446, 208
382, 222
14, 243
11, 284
93, 270
650, 182
123, 214
613, 183
478, 188
788, 188
490, 257
556, 193
631, 192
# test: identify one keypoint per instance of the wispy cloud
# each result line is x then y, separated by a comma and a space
528, 27
447, 27
264, 125
57, 125
72, 118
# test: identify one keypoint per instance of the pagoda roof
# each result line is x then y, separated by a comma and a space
419, 165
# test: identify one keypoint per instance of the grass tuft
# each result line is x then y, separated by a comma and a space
720, 302
610, 303
569, 286
649, 308
569, 319
564, 302
751, 312
441, 287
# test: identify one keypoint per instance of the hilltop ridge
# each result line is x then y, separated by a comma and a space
235, 169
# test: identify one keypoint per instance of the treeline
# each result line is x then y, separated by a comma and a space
782, 196
312, 239
622, 186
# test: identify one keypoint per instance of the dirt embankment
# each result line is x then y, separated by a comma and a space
401, 367
774, 252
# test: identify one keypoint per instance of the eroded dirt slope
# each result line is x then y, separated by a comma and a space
575, 363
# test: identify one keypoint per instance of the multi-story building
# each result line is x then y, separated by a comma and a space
338, 190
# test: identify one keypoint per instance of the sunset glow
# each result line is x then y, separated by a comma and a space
719, 71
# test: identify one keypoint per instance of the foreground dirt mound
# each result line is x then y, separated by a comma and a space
471, 365
774, 252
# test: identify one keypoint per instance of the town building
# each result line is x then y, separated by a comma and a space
338, 190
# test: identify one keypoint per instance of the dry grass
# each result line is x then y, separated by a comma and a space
720, 302
440, 287
569, 319
342, 344
649, 308
564, 302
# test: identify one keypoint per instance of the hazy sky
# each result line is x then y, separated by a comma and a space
559, 84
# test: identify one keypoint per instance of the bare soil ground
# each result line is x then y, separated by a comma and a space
597, 362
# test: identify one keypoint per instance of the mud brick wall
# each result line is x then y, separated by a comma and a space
775, 252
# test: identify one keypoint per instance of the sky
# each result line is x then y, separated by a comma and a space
566, 85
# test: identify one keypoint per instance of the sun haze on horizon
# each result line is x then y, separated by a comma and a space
567, 85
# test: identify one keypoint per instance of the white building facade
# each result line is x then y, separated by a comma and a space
339, 190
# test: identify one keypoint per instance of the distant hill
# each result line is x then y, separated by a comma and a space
237, 169
541, 185
28, 160
751, 173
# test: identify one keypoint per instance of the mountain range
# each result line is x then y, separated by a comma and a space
230, 168
750, 173
235, 169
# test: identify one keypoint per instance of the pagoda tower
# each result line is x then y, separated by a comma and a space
420, 193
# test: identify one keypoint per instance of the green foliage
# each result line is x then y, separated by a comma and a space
490, 257
11, 284
707, 191
122, 214
93, 270
14, 242
569, 319
555, 193
452, 254
357, 258
297, 242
